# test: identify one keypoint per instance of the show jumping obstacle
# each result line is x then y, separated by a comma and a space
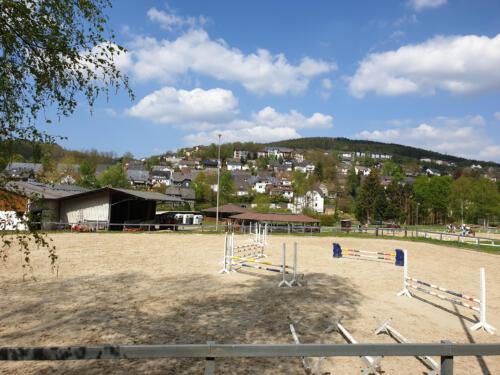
426, 360
236, 258
476, 304
397, 257
372, 363
260, 236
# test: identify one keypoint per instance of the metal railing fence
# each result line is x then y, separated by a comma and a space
210, 351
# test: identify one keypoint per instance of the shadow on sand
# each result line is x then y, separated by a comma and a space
130, 308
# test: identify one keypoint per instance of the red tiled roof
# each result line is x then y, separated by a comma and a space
286, 218
227, 208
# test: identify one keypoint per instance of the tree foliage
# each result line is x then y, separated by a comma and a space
114, 176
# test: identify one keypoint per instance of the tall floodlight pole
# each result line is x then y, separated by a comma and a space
218, 187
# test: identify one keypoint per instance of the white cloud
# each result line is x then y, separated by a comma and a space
271, 118
458, 64
461, 138
216, 111
170, 21
423, 4
327, 84
194, 51
181, 107
497, 115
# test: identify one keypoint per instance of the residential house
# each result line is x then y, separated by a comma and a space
242, 182
365, 171
312, 199
185, 194
188, 164
233, 164
137, 177
161, 175
242, 154
282, 191
23, 171
210, 164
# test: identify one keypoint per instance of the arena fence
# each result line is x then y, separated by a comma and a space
210, 351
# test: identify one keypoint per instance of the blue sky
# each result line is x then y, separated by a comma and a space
417, 72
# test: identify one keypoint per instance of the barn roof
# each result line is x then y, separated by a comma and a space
146, 195
273, 217
228, 209
45, 191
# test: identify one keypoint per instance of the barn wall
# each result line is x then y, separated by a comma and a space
94, 207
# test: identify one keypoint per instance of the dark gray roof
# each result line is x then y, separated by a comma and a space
184, 193
46, 191
147, 195
137, 175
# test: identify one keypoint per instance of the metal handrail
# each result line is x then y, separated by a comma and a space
210, 351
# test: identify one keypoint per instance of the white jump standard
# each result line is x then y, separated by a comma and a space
472, 303
426, 360
234, 262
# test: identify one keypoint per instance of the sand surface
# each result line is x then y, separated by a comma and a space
165, 288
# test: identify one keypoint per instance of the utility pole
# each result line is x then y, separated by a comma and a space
218, 187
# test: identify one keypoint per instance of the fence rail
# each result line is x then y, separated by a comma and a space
446, 350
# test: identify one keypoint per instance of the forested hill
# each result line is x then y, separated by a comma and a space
397, 150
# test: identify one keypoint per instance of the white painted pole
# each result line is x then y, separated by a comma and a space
373, 363
429, 362
225, 269
295, 281
284, 282
482, 306
405, 291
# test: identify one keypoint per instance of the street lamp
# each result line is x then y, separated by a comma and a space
218, 187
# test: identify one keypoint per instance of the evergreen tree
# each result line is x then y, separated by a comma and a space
370, 201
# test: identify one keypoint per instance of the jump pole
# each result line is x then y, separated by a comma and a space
482, 323
313, 370
372, 363
426, 360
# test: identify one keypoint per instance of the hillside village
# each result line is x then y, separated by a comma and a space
321, 183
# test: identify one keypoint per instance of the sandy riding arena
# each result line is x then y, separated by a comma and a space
165, 288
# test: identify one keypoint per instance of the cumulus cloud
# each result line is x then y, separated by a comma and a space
170, 21
462, 138
457, 64
194, 51
419, 5
497, 115
216, 111
181, 107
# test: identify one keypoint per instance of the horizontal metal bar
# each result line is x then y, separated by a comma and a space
242, 350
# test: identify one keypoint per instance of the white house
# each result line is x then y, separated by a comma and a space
234, 165
313, 199
365, 171
260, 186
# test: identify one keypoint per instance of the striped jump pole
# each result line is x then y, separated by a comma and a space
426, 360
397, 257
372, 363
467, 301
